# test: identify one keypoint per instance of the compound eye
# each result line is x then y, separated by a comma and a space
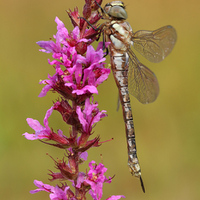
118, 12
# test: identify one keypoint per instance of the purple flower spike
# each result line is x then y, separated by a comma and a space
79, 70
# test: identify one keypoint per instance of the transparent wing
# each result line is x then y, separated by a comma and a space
142, 82
155, 45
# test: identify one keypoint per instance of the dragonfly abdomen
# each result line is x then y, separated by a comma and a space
119, 64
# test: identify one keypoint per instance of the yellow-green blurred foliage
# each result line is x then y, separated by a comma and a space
167, 131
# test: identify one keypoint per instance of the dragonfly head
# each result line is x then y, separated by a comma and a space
116, 9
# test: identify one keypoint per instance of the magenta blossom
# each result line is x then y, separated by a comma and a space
49, 85
46, 132
56, 193
89, 116
93, 75
64, 40
82, 73
115, 197
40, 131
95, 178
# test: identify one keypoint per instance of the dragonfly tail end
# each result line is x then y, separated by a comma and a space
142, 184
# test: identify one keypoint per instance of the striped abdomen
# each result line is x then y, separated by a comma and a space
119, 64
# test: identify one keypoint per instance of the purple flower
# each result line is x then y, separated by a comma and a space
93, 75
89, 116
96, 178
65, 42
56, 193
50, 85
41, 132
81, 74
84, 155
115, 197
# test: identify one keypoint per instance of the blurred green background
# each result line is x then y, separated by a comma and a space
167, 131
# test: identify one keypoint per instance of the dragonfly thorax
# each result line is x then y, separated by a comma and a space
116, 10
120, 36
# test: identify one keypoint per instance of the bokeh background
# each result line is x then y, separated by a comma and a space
167, 131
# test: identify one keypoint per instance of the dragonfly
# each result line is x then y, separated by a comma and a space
131, 76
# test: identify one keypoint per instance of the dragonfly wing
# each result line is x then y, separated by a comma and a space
155, 45
142, 82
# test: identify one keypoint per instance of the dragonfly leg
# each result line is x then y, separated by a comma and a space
102, 10
104, 45
106, 52
96, 29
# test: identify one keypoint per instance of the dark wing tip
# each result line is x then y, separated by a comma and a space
142, 184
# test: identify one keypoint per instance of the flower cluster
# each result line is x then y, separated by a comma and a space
93, 181
79, 70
